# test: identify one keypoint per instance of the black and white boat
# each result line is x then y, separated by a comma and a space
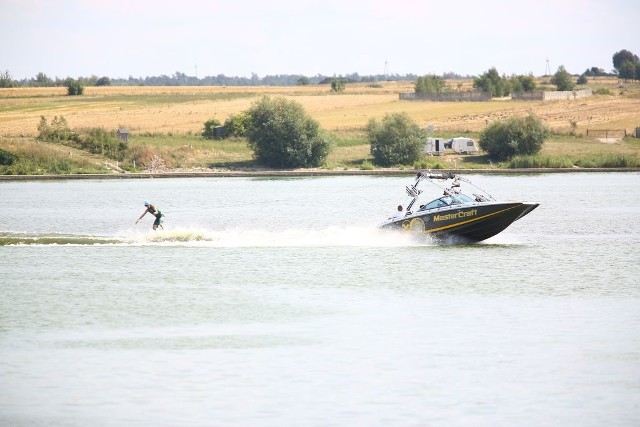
454, 216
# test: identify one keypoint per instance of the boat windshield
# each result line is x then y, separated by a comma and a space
441, 202
465, 198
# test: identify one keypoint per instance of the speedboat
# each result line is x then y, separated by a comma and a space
454, 216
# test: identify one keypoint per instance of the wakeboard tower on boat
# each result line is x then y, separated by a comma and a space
454, 216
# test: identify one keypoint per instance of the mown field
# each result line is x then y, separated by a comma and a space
167, 121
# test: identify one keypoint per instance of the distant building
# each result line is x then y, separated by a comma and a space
123, 135
472, 96
539, 95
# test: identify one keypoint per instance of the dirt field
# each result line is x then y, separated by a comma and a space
183, 110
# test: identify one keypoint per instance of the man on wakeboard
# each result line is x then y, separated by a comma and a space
153, 211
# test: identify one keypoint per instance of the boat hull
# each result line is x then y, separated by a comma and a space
463, 223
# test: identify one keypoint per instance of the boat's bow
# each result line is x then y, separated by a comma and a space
526, 208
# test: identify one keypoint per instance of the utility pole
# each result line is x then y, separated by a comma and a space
547, 71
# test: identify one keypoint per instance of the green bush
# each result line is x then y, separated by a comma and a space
515, 136
74, 87
57, 131
101, 141
562, 79
397, 140
236, 125
366, 165
7, 158
94, 140
493, 83
524, 83
338, 85
430, 84
209, 131
281, 135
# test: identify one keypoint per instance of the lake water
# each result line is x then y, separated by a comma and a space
277, 302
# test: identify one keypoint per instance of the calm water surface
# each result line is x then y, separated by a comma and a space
276, 302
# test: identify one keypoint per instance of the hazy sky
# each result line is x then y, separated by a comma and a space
122, 38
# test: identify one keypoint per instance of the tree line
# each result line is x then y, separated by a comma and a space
182, 79
626, 65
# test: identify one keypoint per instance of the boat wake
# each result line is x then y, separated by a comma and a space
333, 236
9, 238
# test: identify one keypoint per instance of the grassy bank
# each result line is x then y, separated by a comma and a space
158, 153
165, 124
29, 157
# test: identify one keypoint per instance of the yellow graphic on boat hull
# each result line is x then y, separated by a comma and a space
416, 225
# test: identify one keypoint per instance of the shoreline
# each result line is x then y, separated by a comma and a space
300, 173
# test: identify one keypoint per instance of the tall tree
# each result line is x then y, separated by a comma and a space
627, 69
430, 84
103, 81
42, 80
562, 79
6, 80
624, 55
491, 82
528, 82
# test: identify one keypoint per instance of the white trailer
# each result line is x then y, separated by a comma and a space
434, 146
464, 145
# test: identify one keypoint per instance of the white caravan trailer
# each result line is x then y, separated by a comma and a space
464, 145
434, 146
